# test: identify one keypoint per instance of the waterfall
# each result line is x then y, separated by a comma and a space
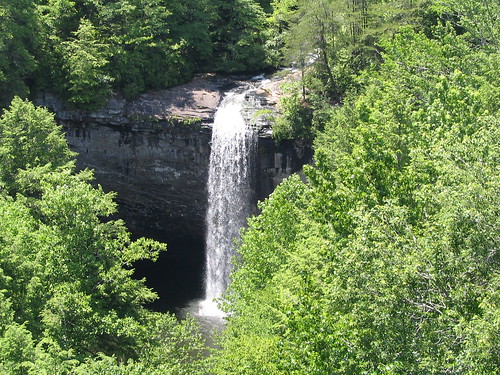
229, 195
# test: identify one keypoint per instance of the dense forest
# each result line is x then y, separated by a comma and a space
85, 49
382, 258
385, 260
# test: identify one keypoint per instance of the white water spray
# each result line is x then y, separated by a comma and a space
229, 195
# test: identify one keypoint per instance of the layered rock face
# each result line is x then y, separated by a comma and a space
158, 173
154, 152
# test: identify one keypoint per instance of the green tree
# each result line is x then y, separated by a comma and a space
145, 55
478, 18
387, 263
190, 26
80, 50
59, 20
69, 303
335, 39
86, 60
295, 119
238, 35
29, 138
18, 38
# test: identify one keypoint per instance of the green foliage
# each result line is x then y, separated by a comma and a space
83, 50
283, 11
69, 304
385, 261
301, 113
238, 35
332, 40
29, 139
18, 26
139, 33
85, 59
295, 119
478, 18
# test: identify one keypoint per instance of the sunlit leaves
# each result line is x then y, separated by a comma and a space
86, 58
29, 138
68, 302
392, 261
18, 25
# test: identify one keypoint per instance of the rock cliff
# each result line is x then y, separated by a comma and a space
154, 152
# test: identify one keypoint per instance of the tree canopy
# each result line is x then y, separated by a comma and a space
385, 259
68, 302
84, 50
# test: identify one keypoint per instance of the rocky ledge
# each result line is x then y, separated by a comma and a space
192, 102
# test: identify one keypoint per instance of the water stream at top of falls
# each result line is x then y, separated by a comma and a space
229, 195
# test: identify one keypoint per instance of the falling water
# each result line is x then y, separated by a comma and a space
229, 194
